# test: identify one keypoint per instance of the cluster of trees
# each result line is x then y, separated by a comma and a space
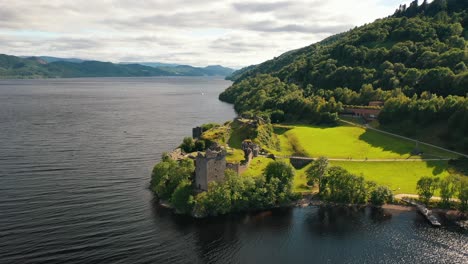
268, 95
421, 111
449, 187
338, 185
437, 6
172, 181
236, 193
190, 145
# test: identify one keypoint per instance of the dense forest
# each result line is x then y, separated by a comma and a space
12, 67
415, 61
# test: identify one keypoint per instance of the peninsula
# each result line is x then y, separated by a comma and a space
356, 118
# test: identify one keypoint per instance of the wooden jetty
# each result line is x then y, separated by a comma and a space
424, 211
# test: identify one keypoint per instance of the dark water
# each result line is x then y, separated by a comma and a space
75, 159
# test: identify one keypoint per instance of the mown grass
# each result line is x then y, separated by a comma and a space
400, 177
347, 141
257, 166
235, 155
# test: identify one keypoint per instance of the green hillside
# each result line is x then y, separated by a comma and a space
415, 61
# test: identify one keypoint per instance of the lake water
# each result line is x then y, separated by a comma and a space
75, 162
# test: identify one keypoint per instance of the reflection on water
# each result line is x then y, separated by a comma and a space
75, 160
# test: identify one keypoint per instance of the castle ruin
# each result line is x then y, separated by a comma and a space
209, 167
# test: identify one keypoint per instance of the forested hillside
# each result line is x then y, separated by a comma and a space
415, 60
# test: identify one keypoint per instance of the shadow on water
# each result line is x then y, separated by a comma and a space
343, 220
222, 233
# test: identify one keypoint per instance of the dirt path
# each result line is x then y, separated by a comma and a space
366, 160
415, 196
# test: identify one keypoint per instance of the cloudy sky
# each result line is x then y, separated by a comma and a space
198, 32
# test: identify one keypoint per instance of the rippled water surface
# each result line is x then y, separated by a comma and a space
75, 159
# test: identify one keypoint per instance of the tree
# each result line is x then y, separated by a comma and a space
281, 171
381, 195
167, 175
317, 171
200, 145
426, 187
463, 194
345, 187
182, 198
448, 187
188, 145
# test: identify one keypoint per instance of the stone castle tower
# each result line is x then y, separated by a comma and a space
209, 167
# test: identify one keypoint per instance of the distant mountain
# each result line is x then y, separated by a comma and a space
49, 59
153, 64
218, 70
12, 67
187, 70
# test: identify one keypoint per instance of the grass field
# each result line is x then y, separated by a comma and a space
256, 167
347, 141
400, 177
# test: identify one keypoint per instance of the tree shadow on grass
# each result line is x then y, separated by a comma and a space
387, 142
438, 166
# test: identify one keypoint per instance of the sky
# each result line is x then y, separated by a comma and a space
198, 32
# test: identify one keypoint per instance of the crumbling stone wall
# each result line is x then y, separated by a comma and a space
209, 167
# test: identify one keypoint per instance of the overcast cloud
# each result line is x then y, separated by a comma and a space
230, 33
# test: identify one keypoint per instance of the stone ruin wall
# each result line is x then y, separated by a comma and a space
209, 167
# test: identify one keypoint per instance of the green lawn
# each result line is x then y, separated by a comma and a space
346, 141
400, 177
257, 166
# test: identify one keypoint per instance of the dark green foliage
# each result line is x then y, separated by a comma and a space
188, 145
281, 171
238, 193
426, 186
168, 174
317, 171
463, 194
208, 126
344, 187
200, 145
182, 198
381, 195
338, 185
448, 187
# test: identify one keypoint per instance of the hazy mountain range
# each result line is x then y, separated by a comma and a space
13, 67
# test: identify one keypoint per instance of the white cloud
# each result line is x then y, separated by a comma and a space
202, 32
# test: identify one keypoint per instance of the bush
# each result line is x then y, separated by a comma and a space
188, 145
277, 116
426, 187
206, 127
381, 195
200, 145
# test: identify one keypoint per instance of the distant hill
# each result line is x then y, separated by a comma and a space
13, 67
49, 59
187, 70
153, 64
